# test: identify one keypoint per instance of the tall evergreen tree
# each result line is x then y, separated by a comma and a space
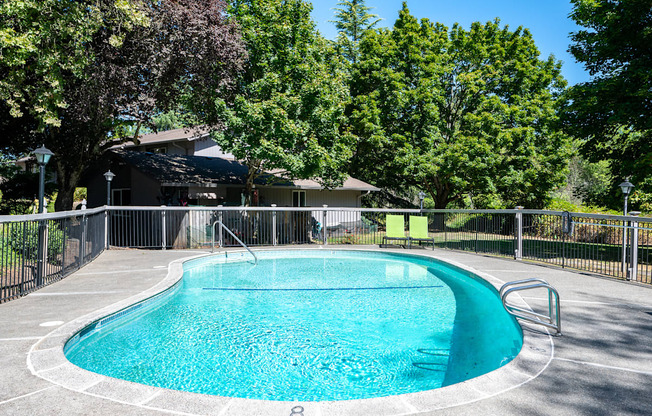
353, 19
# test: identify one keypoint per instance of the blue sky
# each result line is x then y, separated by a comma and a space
547, 20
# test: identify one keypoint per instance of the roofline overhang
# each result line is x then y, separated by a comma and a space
289, 187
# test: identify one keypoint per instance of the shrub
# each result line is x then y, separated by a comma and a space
24, 240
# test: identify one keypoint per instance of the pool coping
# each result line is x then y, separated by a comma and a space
46, 360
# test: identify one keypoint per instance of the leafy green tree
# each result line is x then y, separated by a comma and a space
457, 113
42, 41
138, 58
288, 112
612, 113
353, 19
588, 183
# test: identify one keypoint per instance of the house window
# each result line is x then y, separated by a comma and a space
161, 150
120, 197
298, 198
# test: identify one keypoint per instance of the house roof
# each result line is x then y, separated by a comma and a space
167, 136
182, 170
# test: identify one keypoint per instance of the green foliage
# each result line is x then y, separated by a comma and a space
24, 241
560, 204
588, 183
42, 41
457, 112
641, 198
80, 193
612, 113
288, 112
82, 76
353, 19
170, 120
20, 189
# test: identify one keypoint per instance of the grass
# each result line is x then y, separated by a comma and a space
601, 258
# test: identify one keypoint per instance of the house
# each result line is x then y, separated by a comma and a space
181, 167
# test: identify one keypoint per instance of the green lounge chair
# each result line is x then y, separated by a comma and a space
395, 228
419, 231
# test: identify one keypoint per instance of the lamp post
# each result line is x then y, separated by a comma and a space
626, 187
108, 175
43, 156
422, 196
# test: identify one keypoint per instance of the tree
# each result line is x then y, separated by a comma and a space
457, 113
587, 183
353, 19
288, 112
138, 59
44, 40
612, 113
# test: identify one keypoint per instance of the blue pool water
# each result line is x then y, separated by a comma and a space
307, 325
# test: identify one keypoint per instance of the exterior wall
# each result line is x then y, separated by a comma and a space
144, 190
96, 184
178, 148
314, 198
207, 147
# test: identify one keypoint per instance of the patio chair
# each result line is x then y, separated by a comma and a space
419, 231
395, 228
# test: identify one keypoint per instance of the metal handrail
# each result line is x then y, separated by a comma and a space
529, 315
232, 235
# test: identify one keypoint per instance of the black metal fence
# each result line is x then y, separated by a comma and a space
37, 250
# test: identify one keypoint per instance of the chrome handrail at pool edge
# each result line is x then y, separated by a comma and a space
529, 315
232, 235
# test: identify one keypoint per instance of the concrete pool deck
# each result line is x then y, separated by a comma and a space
601, 365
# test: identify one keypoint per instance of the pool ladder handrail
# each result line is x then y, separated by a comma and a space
222, 226
528, 315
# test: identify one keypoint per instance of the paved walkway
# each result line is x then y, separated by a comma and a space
602, 364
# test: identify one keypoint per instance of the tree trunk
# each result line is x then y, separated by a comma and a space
67, 183
439, 194
252, 174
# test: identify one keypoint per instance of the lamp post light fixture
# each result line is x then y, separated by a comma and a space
422, 196
626, 187
108, 175
43, 156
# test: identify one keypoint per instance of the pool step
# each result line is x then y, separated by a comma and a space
438, 359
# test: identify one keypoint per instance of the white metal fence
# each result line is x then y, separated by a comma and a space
36, 250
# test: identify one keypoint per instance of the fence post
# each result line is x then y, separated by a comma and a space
220, 217
274, 241
82, 242
633, 253
106, 228
518, 253
41, 251
476, 232
624, 249
443, 216
323, 225
163, 232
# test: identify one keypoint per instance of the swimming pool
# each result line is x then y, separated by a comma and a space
307, 325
